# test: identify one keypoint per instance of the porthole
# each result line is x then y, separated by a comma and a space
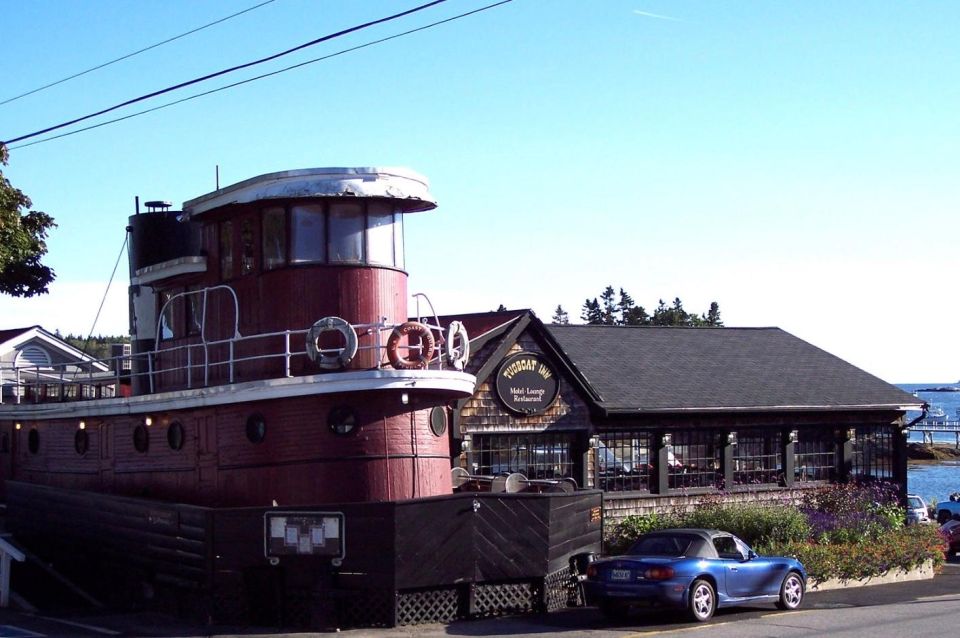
438, 421
256, 428
81, 442
175, 435
342, 420
33, 441
141, 438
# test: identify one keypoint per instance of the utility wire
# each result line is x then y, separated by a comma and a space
265, 75
130, 55
230, 70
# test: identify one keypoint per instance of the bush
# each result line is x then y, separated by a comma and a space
902, 548
846, 531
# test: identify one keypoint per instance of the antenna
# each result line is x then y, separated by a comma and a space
218, 176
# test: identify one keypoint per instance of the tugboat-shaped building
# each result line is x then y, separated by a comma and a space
277, 381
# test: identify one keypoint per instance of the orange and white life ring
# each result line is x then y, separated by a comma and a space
417, 356
336, 359
457, 353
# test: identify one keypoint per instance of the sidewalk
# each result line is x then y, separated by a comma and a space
147, 624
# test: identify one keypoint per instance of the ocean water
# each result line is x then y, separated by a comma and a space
934, 482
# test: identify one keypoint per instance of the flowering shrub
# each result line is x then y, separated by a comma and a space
845, 531
903, 548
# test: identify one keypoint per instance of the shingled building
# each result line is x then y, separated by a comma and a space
659, 417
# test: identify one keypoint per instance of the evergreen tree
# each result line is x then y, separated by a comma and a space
591, 313
608, 296
501, 308
712, 318
560, 316
630, 313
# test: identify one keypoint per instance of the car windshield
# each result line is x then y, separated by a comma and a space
662, 546
914, 502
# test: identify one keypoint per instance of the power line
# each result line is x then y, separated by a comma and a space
265, 75
226, 71
130, 55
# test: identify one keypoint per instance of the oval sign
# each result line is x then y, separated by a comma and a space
526, 384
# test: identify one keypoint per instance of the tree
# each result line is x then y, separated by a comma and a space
22, 241
560, 316
609, 306
712, 318
501, 308
630, 313
591, 313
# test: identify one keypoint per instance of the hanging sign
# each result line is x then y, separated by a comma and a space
526, 384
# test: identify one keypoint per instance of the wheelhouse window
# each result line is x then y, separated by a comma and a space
380, 242
194, 307
308, 237
815, 454
226, 250
757, 458
872, 453
167, 316
623, 462
274, 238
247, 257
536, 456
346, 233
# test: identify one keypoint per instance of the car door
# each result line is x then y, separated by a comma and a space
745, 576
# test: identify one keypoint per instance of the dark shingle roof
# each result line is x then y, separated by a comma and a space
668, 369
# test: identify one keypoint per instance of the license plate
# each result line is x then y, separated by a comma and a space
619, 574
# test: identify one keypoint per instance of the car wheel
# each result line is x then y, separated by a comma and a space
614, 609
703, 600
791, 591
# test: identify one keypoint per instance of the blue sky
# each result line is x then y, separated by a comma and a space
795, 161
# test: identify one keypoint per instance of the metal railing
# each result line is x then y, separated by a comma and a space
201, 364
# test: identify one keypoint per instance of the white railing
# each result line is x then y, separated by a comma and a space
205, 363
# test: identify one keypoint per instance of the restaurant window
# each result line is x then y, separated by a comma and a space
247, 257
623, 462
757, 458
380, 242
308, 237
872, 454
274, 238
693, 459
346, 233
226, 250
815, 455
536, 456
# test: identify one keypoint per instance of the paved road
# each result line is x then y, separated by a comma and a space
902, 610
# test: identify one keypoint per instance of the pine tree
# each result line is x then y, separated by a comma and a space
609, 316
591, 313
712, 318
560, 316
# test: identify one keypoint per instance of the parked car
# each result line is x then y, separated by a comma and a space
696, 570
917, 510
947, 510
951, 533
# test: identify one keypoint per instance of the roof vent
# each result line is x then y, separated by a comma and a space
157, 204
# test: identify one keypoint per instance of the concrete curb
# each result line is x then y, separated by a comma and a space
922, 572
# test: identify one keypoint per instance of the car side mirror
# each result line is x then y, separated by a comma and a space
751, 555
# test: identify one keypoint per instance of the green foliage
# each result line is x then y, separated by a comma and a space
560, 316
97, 347
22, 241
904, 548
845, 531
624, 312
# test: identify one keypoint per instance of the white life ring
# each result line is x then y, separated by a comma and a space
457, 355
416, 358
332, 360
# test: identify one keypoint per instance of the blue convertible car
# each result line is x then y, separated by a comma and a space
697, 570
